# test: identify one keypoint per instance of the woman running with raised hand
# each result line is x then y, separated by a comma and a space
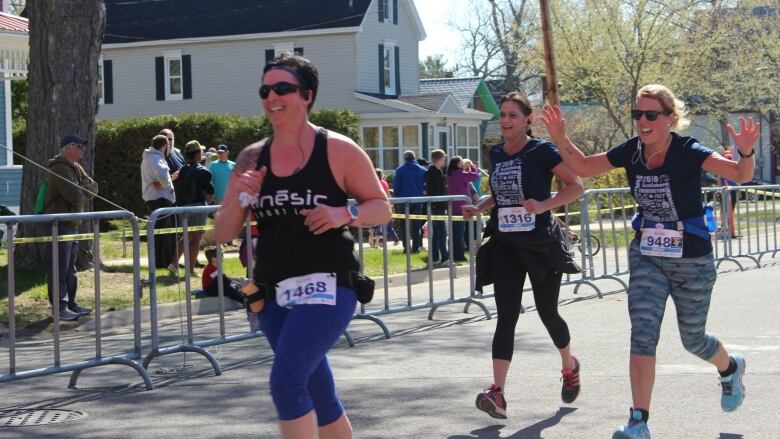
296, 183
525, 239
671, 254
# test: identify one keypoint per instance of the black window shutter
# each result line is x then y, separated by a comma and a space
381, 69
186, 76
382, 10
395, 11
108, 82
159, 76
298, 51
397, 71
269, 55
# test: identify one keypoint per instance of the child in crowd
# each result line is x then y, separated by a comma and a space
231, 288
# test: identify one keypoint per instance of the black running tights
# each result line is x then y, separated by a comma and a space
508, 280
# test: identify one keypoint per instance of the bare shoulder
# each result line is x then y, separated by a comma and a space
343, 147
247, 158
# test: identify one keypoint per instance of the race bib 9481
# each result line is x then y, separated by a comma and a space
662, 242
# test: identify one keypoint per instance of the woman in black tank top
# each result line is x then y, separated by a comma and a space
296, 184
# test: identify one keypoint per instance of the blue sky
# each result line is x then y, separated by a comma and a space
441, 38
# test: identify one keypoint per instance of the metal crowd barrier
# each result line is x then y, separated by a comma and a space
413, 212
754, 234
57, 365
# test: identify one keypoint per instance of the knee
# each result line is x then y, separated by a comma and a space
700, 344
290, 397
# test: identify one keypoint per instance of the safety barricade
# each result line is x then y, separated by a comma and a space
411, 213
183, 217
749, 223
53, 221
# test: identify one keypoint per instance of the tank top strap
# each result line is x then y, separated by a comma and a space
264, 158
320, 153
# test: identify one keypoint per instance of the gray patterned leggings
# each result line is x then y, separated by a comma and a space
689, 281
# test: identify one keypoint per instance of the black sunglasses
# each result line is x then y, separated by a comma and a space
280, 88
651, 115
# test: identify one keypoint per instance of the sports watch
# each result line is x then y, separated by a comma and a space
353, 214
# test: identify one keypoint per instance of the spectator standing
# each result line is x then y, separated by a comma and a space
195, 189
408, 182
174, 158
436, 185
460, 174
220, 173
157, 192
68, 189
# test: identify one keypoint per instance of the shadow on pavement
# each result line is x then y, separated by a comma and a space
531, 432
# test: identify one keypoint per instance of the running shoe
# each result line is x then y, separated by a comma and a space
571, 382
635, 429
492, 402
732, 388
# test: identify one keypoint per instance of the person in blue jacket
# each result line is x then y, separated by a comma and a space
671, 254
408, 182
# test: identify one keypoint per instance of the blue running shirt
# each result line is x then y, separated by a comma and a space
671, 192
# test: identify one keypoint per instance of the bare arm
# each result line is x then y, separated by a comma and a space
582, 165
571, 191
742, 170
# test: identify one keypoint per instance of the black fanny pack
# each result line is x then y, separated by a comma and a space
360, 283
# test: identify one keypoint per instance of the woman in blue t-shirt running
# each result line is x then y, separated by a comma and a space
672, 253
525, 242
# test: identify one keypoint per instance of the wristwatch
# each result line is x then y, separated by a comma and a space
747, 156
353, 214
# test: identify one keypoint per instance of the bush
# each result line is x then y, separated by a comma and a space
119, 145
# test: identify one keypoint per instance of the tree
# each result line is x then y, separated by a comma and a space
500, 42
434, 66
65, 41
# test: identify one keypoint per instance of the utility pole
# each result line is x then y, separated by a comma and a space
551, 81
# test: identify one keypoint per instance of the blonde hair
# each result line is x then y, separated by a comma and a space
669, 102
166, 132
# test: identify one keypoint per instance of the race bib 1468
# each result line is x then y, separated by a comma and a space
309, 289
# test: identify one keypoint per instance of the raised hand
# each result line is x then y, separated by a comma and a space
746, 138
248, 185
554, 121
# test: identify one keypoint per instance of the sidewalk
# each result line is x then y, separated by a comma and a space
421, 383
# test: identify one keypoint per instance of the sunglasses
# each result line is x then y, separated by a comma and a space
650, 115
280, 88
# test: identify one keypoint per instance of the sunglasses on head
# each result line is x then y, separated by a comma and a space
280, 88
650, 115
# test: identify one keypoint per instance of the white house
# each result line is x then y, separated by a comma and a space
14, 57
208, 56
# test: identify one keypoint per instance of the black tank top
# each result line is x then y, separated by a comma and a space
285, 247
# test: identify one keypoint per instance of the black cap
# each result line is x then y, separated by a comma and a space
223, 147
72, 138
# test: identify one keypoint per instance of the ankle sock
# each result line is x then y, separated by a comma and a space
729, 370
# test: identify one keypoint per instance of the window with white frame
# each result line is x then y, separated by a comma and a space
100, 84
467, 142
389, 69
371, 144
391, 147
280, 48
411, 140
173, 75
388, 12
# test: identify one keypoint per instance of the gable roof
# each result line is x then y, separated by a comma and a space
137, 21
432, 102
462, 89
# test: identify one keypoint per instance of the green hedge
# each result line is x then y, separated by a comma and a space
120, 144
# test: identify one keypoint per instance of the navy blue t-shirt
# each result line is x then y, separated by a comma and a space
671, 192
523, 176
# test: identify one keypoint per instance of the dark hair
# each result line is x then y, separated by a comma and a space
437, 154
522, 101
379, 173
454, 164
210, 253
159, 141
190, 155
303, 70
